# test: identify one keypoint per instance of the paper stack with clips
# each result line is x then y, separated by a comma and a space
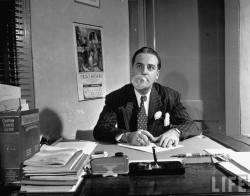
235, 163
54, 169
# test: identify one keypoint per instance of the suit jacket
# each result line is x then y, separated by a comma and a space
119, 114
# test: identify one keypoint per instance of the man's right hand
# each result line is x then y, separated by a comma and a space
138, 138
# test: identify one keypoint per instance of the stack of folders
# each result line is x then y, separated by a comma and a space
235, 163
54, 169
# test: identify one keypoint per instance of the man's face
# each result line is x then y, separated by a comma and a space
146, 65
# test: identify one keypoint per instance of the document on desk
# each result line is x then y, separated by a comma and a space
86, 146
149, 147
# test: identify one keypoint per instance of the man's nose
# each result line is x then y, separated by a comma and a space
144, 69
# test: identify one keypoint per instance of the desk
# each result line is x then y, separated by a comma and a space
199, 179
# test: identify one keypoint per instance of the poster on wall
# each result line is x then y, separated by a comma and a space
89, 61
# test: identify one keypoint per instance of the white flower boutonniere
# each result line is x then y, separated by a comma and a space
167, 119
158, 115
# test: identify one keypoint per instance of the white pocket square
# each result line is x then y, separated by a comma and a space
167, 120
158, 115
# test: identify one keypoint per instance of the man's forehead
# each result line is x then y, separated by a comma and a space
146, 57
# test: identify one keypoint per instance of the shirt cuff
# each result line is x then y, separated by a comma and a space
119, 137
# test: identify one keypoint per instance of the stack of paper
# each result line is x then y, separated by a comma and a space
54, 169
10, 99
235, 163
238, 164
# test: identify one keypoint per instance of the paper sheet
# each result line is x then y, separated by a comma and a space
149, 147
215, 151
86, 146
241, 160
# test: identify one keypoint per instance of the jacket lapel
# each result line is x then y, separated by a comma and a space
155, 104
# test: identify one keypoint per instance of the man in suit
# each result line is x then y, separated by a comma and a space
144, 110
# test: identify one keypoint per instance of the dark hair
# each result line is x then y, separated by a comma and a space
147, 50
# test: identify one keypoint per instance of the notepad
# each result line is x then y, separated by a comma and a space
149, 147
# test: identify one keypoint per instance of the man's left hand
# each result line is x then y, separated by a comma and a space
169, 138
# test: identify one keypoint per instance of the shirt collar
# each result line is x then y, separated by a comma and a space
138, 96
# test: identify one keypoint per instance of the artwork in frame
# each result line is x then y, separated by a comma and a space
89, 61
95, 3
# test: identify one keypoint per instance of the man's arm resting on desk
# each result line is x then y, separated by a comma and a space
106, 129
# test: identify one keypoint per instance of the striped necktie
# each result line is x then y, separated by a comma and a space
142, 118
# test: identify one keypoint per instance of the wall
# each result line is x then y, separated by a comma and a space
54, 60
245, 66
190, 39
232, 59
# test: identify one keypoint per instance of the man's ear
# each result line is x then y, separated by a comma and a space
157, 75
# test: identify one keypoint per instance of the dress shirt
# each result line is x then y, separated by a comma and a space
146, 103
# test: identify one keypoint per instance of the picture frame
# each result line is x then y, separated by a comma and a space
94, 3
88, 43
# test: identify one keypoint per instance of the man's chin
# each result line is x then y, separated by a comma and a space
144, 90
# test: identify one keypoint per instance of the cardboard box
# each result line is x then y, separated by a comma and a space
19, 140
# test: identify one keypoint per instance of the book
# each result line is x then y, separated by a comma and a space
48, 182
57, 177
52, 188
65, 177
19, 140
51, 156
69, 172
70, 168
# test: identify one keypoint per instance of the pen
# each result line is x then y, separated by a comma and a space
155, 158
191, 155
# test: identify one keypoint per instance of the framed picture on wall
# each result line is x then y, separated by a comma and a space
95, 3
89, 61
